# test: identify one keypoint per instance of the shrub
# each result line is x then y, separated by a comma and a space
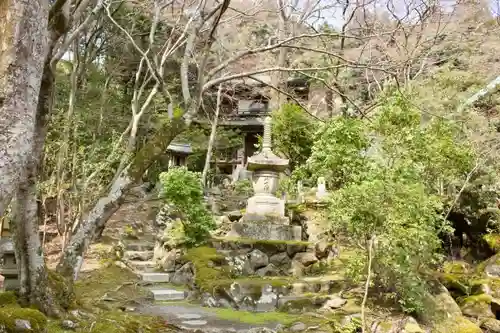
183, 190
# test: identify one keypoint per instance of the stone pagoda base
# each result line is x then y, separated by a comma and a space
262, 204
261, 227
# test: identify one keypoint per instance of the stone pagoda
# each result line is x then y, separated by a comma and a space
265, 213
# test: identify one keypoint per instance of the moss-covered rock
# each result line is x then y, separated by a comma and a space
457, 324
477, 306
491, 325
493, 241
7, 298
9, 315
209, 267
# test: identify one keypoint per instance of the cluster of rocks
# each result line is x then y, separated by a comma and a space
275, 258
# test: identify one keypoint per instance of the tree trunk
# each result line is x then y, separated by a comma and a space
93, 223
23, 48
212, 139
35, 285
36, 289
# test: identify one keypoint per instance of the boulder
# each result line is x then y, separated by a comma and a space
477, 306
184, 275
335, 302
492, 268
296, 269
281, 260
294, 248
268, 300
491, 325
169, 261
240, 265
269, 270
305, 258
258, 259
234, 215
443, 305
322, 249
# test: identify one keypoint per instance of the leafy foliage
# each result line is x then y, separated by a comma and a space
182, 189
392, 178
293, 133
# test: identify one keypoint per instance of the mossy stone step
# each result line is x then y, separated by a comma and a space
168, 294
155, 277
138, 255
142, 266
139, 246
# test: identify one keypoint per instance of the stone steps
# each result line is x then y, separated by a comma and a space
139, 246
138, 255
142, 266
165, 294
155, 277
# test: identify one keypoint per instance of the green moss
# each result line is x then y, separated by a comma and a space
493, 241
118, 283
120, 322
456, 267
255, 318
206, 274
63, 289
9, 314
457, 325
482, 298
7, 298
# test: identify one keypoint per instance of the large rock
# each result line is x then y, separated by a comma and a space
281, 260
184, 275
322, 249
169, 261
334, 302
477, 306
491, 325
492, 267
306, 258
258, 259
296, 269
269, 270
443, 305
267, 301
234, 215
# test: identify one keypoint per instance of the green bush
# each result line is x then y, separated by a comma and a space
183, 190
293, 133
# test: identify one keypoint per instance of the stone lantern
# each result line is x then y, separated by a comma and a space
8, 265
265, 213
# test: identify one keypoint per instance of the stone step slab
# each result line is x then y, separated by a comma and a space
139, 246
168, 294
142, 266
155, 277
138, 255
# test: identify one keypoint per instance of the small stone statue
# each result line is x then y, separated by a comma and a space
321, 191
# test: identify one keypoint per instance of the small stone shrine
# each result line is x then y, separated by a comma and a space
8, 266
321, 192
265, 213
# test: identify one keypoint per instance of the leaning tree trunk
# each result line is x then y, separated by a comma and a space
23, 47
211, 141
93, 223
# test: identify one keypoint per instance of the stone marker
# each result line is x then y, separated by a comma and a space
321, 192
300, 192
265, 213
8, 265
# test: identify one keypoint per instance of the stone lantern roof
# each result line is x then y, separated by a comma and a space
266, 159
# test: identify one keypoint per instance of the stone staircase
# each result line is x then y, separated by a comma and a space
139, 256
